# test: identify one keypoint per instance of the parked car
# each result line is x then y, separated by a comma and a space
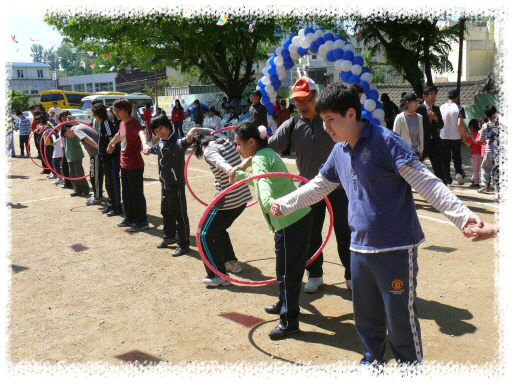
80, 115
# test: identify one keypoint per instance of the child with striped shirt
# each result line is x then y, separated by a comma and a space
23, 128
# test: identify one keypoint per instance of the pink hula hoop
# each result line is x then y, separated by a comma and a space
230, 188
48, 138
28, 149
188, 161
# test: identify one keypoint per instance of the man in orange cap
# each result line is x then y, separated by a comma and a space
312, 146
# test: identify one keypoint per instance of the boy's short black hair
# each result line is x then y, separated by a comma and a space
123, 104
32, 107
489, 111
243, 106
64, 128
196, 101
99, 110
159, 121
473, 123
482, 121
19, 113
337, 98
357, 87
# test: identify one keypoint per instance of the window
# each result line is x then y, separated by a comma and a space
34, 92
74, 99
89, 87
313, 57
20, 73
65, 87
105, 87
52, 97
128, 70
79, 88
40, 73
444, 63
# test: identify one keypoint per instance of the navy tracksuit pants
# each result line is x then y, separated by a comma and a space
384, 298
292, 245
111, 170
173, 208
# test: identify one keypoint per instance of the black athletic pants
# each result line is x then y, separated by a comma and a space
132, 181
65, 171
215, 239
451, 150
339, 202
174, 212
96, 176
23, 144
111, 169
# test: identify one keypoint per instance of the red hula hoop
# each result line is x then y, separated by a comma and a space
48, 138
188, 161
43, 152
230, 188
28, 149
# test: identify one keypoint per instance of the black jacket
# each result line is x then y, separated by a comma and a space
431, 130
107, 129
258, 114
171, 159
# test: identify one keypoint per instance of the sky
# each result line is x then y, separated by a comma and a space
27, 25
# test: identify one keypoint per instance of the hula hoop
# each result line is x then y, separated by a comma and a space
188, 161
230, 188
28, 149
48, 138
43, 152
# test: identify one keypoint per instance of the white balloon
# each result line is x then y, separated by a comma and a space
383, 123
337, 65
265, 71
373, 87
258, 88
369, 104
280, 68
356, 69
269, 88
346, 65
339, 44
329, 45
278, 60
304, 43
367, 76
296, 41
378, 114
310, 37
301, 33
363, 98
279, 50
293, 48
272, 94
295, 56
319, 33
349, 47
281, 75
265, 80
321, 50
272, 99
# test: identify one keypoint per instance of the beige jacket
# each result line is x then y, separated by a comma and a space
402, 129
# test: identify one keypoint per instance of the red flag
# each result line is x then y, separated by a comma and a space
14, 39
106, 55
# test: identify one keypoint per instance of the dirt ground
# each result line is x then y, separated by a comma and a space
122, 300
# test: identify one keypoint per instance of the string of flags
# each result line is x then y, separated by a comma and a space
90, 53
252, 24
223, 19
14, 39
278, 30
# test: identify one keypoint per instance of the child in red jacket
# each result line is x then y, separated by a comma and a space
476, 155
177, 118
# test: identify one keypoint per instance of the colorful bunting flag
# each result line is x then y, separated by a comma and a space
14, 39
188, 13
90, 53
223, 19
93, 65
73, 50
101, 65
252, 24
135, 57
34, 53
33, 40
105, 56
199, 61
162, 60
53, 46
176, 60
83, 65
18, 50
278, 30
112, 68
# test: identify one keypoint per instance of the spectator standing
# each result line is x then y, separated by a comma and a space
146, 118
390, 110
177, 118
409, 125
56, 110
23, 128
74, 155
135, 111
283, 114
476, 150
276, 104
257, 111
224, 107
198, 114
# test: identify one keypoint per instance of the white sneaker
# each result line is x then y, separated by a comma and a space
59, 180
51, 176
313, 284
349, 284
92, 201
216, 281
234, 268
459, 178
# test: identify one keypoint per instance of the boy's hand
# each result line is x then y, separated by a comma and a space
110, 149
473, 220
190, 135
232, 175
486, 232
275, 209
146, 149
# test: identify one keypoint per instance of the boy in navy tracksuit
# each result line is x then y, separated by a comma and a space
171, 168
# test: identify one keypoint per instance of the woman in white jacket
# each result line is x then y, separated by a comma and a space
409, 125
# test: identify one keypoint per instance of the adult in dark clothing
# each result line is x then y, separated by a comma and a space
257, 111
432, 122
312, 146
198, 113
390, 110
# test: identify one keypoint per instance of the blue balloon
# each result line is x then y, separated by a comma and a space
319, 41
275, 52
354, 79
338, 53
265, 100
365, 85
328, 36
260, 83
348, 55
308, 30
271, 61
318, 28
287, 44
313, 47
288, 63
345, 76
274, 78
366, 115
366, 69
269, 131
378, 105
270, 109
372, 94
285, 53
375, 121
272, 71
302, 51
276, 84
330, 56
358, 60
292, 35
339, 37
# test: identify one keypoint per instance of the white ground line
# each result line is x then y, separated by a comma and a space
478, 202
431, 218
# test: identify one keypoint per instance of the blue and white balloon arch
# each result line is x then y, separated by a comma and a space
334, 49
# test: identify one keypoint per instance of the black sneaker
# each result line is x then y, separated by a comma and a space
166, 242
74, 194
114, 213
107, 209
125, 223
280, 332
139, 227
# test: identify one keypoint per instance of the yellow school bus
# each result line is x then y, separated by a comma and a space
68, 99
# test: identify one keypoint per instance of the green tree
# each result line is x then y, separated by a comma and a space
19, 100
151, 91
378, 69
37, 53
223, 54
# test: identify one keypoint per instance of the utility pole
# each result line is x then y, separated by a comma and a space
156, 90
461, 41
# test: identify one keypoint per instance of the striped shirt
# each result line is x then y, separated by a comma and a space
23, 125
221, 155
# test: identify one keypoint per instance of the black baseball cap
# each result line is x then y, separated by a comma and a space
411, 96
257, 93
453, 93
